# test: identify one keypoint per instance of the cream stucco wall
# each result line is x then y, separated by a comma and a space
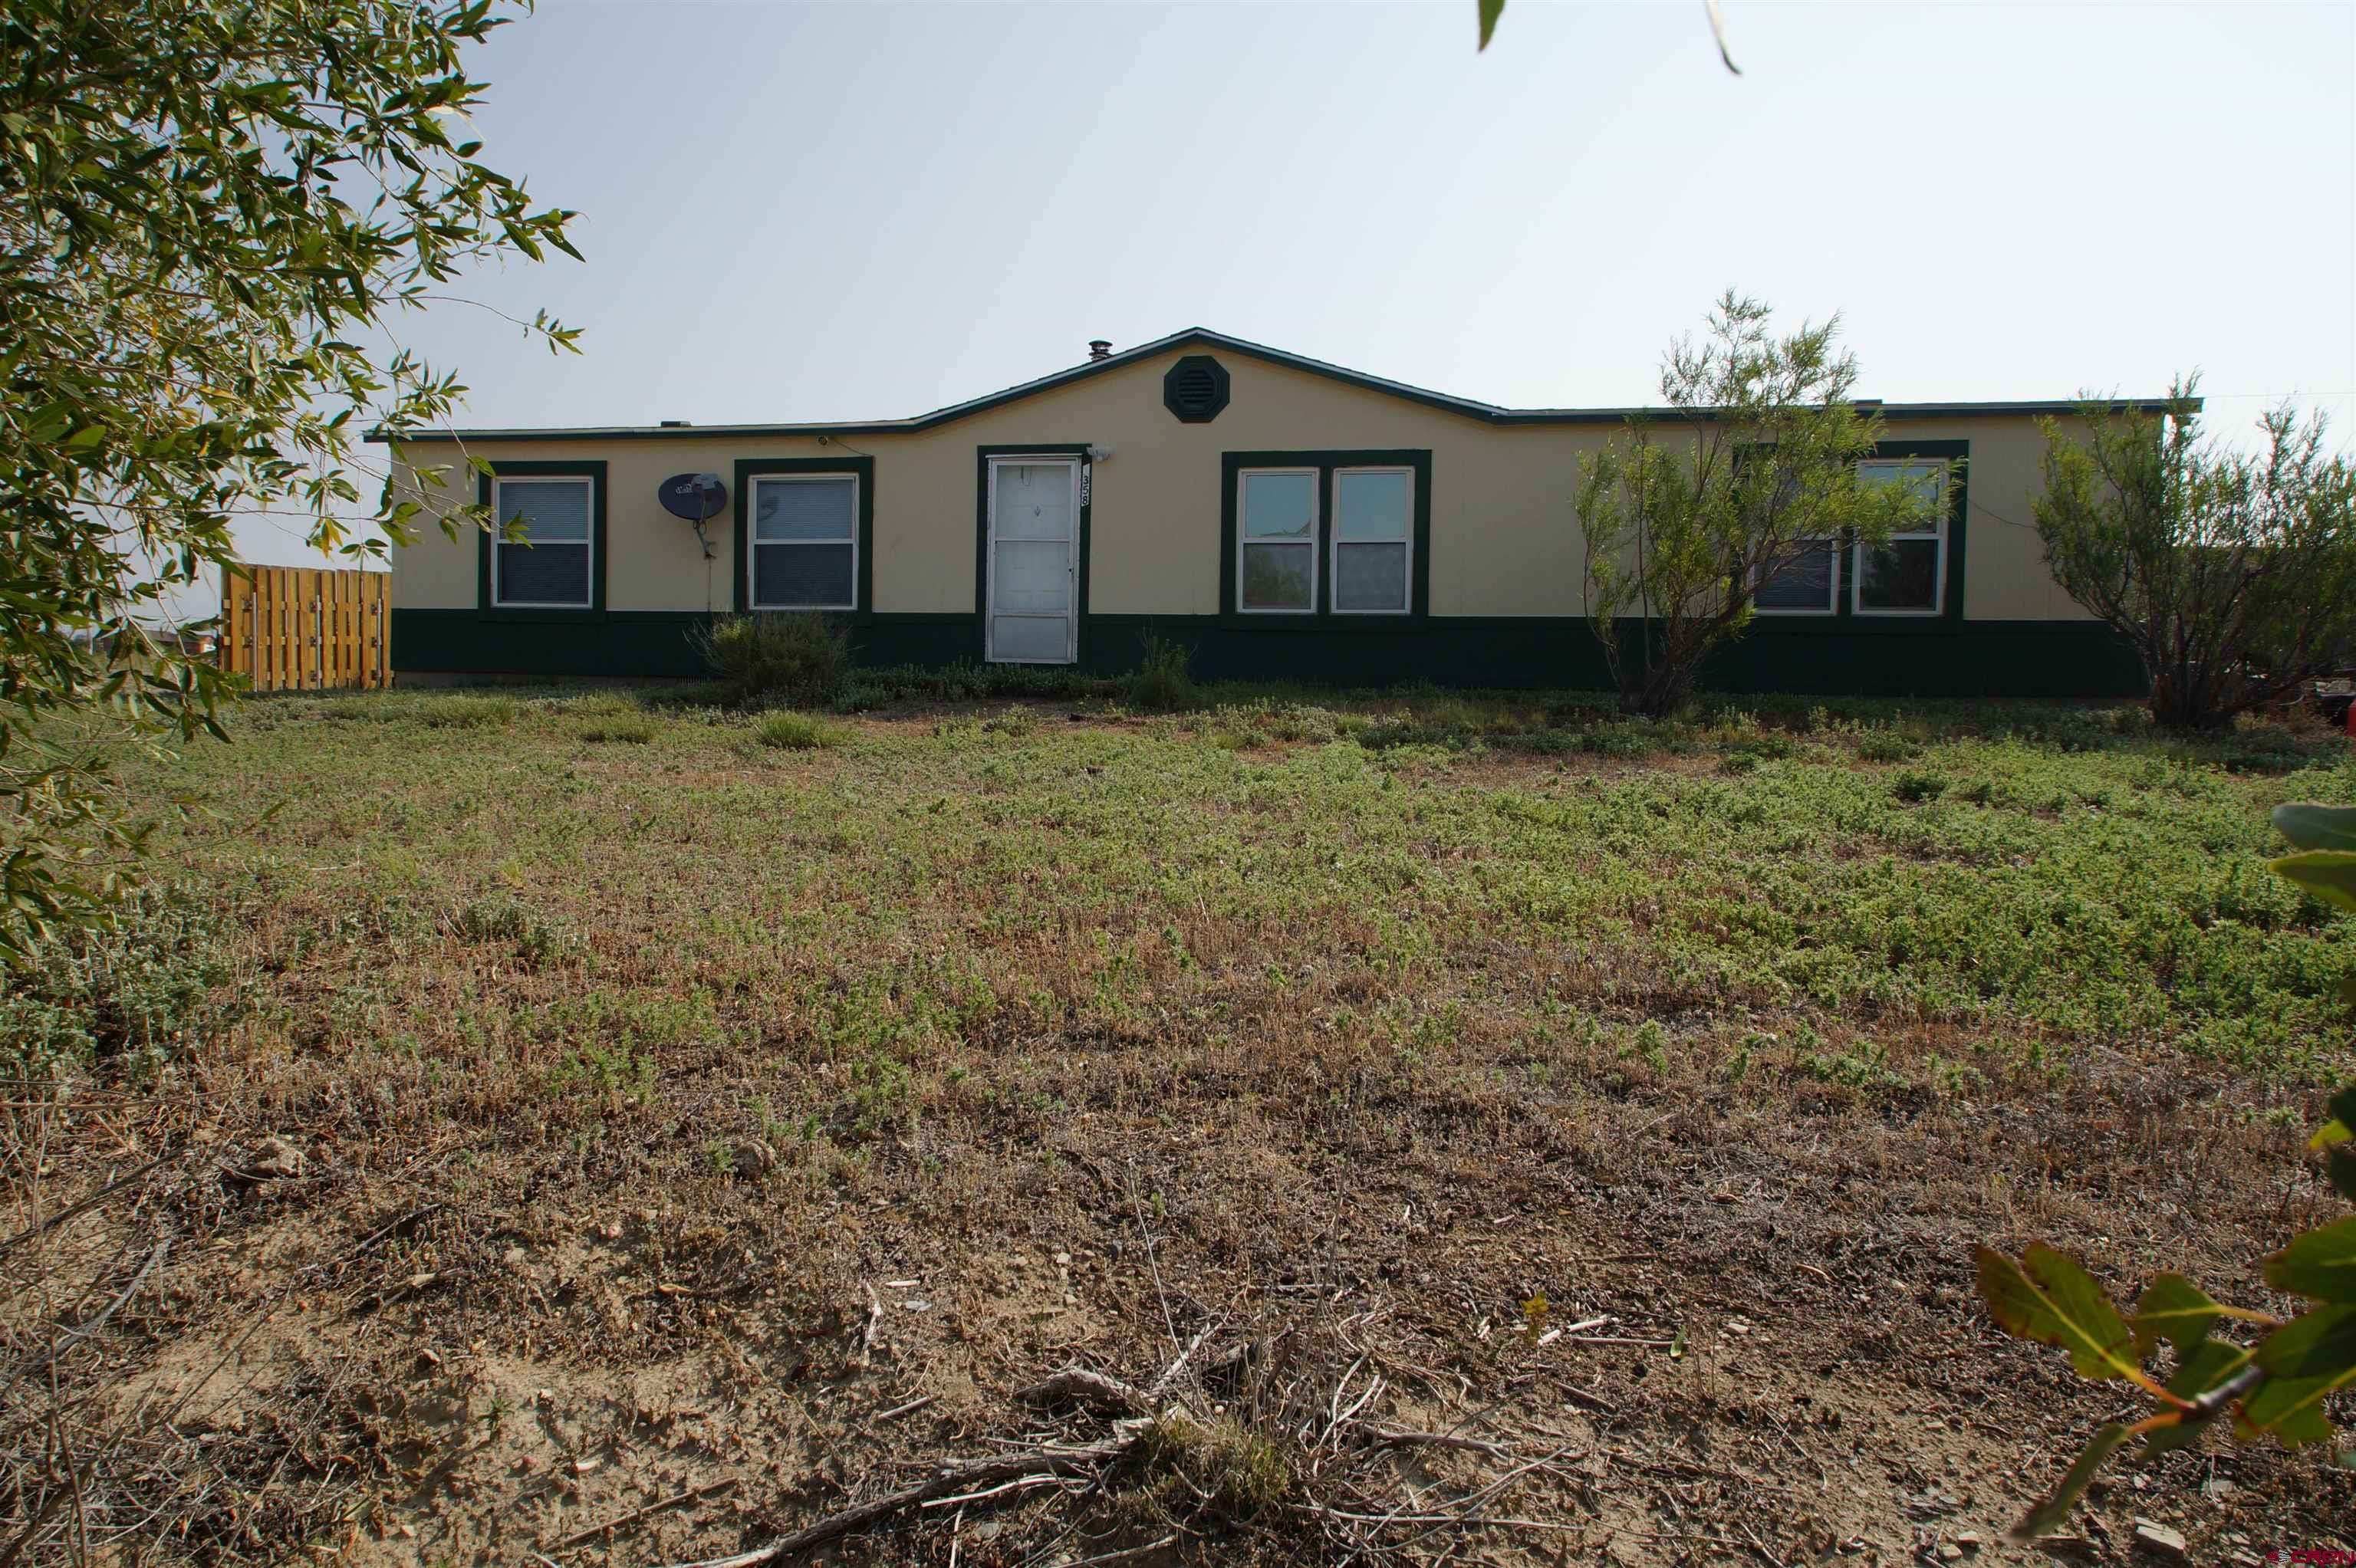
1503, 539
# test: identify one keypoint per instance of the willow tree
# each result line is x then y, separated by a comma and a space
1751, 471
2231, 573
208, 209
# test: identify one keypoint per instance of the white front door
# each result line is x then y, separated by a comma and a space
1034, 560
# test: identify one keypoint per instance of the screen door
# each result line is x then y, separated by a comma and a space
1034, 538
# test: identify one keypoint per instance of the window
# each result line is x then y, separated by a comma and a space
1316, 536
1276, 563
1807, 584
553, 569
1373, 515
804, 545
1908, 576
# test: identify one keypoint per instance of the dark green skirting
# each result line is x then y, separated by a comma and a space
1930, 658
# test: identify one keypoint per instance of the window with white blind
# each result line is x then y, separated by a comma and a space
805, 542
543, 556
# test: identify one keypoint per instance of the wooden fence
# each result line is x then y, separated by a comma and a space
296, 628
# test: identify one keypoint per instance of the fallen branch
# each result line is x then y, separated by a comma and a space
1395, 1437
1458, 1521
1095, 1391
947, 1481
874, 1327
95, 1199
694, 1494
1162, 1384
1127, 1553
76, 1336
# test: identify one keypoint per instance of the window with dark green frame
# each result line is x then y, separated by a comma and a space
551, 564
1909, 575
805, 543
1320, 535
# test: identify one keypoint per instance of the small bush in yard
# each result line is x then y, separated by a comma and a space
796, 732
466, 713
1914, 786
625, 731
1884, 746
796, 658
1161, 684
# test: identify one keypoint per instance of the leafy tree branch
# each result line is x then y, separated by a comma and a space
202, 206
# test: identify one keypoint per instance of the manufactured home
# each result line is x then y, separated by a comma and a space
1280, 518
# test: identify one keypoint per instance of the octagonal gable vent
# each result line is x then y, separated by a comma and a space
1196, 389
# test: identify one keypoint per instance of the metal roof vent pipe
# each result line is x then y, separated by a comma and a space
1099, 348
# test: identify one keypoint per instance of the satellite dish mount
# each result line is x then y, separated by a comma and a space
698, 498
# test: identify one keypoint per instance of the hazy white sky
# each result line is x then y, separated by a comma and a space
870, 209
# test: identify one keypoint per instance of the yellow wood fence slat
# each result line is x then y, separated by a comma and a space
298, 628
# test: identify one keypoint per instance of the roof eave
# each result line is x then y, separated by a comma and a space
1486, 413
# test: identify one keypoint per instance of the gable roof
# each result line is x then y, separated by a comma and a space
1202, 337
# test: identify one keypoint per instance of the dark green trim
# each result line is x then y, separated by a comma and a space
1174, 399
486, 540
1323, 618
982, 456
741, 501
1978, 658
1469, 408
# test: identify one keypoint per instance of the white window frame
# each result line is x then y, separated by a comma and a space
754, 544
1316, 520
1831, 605
1938, 573
588, 598
1334, 545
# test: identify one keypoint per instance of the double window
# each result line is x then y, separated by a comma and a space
805, 543
1326, 534
1905, 576
544, 552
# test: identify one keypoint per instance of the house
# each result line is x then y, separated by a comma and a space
1281, 517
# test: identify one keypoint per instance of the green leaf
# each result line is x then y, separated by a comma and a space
2049, 1298
2204, 1367
2342, 1110
2175, 1309
2320, 1263
1490, 11
2312, 827
2341, 1168
2326, 874
2307, 1362
2054, 1507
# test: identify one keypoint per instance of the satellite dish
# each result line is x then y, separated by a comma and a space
698, 498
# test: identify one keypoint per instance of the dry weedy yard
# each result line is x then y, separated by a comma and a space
1532, 1138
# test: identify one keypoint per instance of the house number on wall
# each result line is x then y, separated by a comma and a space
1086, 470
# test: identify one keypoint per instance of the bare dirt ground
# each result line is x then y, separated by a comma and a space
1512, 1296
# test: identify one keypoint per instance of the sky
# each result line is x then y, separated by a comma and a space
870, 209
